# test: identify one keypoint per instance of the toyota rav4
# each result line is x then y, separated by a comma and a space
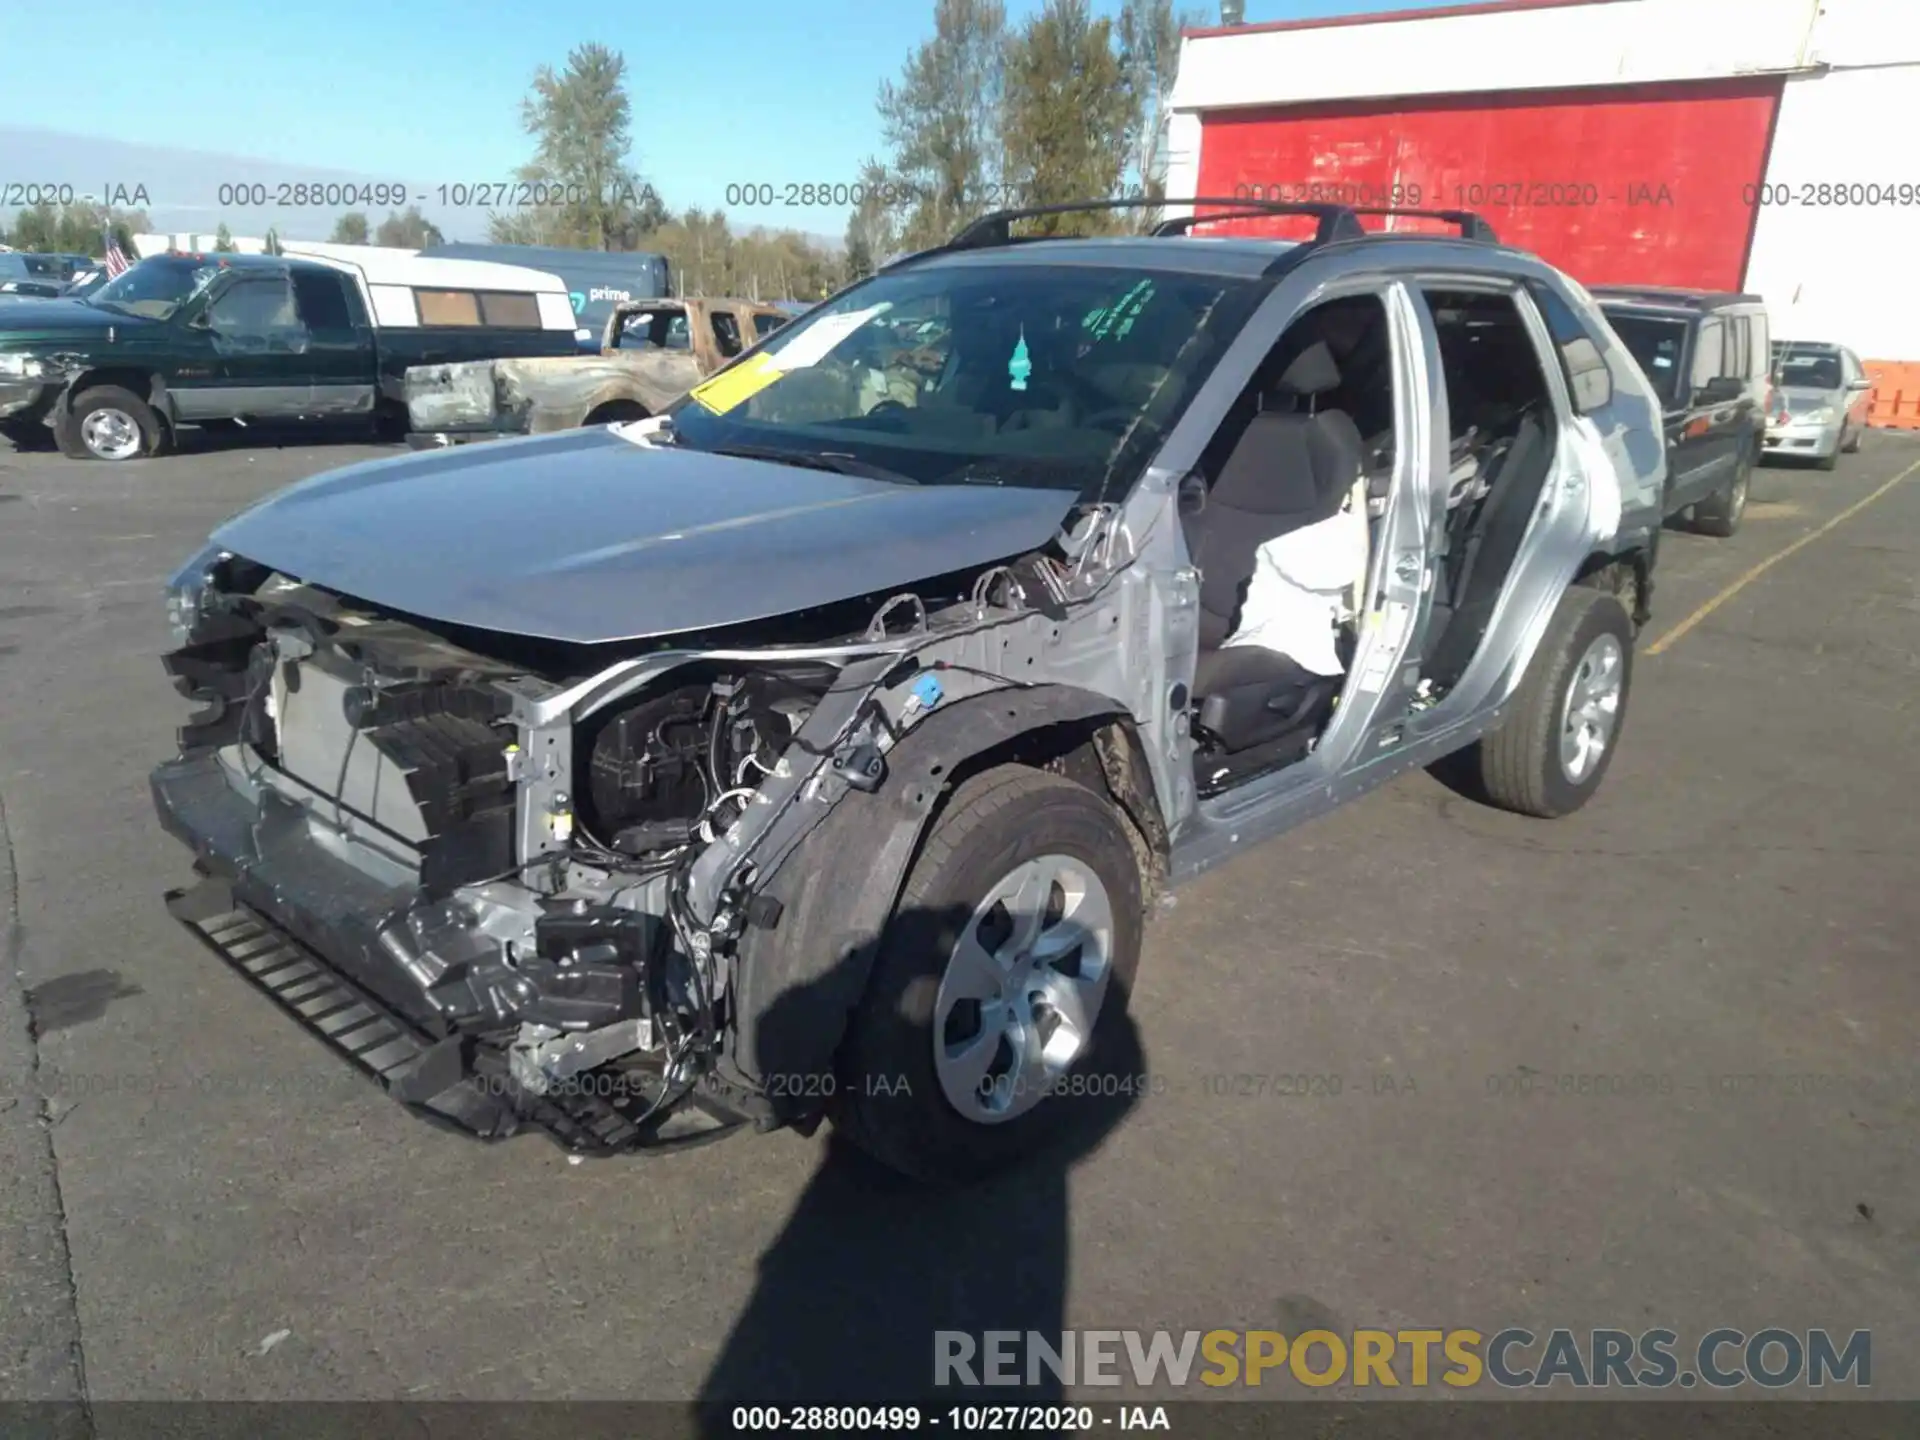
818, 747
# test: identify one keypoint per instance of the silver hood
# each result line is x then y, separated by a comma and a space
587, 538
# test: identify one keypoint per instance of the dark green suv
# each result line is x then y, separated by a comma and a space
207, 339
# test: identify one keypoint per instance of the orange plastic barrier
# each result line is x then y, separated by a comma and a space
1895, 401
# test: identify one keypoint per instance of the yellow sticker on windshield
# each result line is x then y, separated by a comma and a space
736, 385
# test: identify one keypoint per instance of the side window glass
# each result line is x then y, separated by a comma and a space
1582, 361
320, 301
448, 307
765, 323
1736, 347
1709, 351
258, 317
726, 332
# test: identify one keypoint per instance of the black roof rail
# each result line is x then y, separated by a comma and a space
1336, 221
1472, 226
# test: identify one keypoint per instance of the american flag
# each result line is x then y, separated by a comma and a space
117, 262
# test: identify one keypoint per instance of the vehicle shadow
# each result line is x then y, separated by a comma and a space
276, 435
870, 1265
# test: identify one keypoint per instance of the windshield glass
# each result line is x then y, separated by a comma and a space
1062, 377
156, 287
1657, 345
1808, 369
85, 283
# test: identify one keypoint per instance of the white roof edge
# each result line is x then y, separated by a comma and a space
387, 268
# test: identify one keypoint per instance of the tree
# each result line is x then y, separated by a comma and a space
1069, 115
1149, 62
873, 232
79, 228
942, 120
707, 258
408, 231
37, 228
351, 229
585, 191
223, 240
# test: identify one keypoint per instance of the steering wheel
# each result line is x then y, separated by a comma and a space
886, 407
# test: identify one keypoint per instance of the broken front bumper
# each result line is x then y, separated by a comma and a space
27, 401
329, 943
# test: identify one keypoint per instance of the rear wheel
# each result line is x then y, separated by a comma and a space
1548, 757
112, 424
1720, 513
994, 1020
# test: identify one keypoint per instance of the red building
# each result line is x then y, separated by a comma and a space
1723, 144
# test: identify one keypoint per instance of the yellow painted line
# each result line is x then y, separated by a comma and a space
1666, 641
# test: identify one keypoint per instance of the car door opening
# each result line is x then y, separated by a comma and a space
1284, 540
1502, 432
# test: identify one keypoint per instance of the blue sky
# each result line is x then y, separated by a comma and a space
428, 90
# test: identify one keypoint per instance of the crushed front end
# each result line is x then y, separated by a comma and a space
389, 845
518, 880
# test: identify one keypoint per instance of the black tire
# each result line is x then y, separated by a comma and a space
72, 428
1720, 513
390, 422
1519, 762
888, 1098
1852, 445
1831, 462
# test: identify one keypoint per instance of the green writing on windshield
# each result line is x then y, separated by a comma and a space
1117, 319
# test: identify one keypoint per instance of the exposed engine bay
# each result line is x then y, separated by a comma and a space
530, 863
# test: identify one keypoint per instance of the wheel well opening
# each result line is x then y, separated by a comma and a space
1627, 577
614, 412
136, 382
1101, 753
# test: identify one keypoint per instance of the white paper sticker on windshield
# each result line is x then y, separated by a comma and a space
641, 432
812, 345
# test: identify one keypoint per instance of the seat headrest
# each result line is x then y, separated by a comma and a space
1313, 372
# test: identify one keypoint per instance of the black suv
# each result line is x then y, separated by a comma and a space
1708, 356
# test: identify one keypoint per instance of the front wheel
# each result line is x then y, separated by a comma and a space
994, 1020
1720, 514
112, 424
1548, 757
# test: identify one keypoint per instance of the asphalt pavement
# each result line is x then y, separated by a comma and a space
197, 1200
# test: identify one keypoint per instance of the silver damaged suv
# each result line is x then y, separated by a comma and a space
817, 747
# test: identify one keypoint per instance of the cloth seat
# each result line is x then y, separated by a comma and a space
1291, 468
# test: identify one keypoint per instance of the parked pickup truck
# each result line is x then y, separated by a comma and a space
651, 353
205, 340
